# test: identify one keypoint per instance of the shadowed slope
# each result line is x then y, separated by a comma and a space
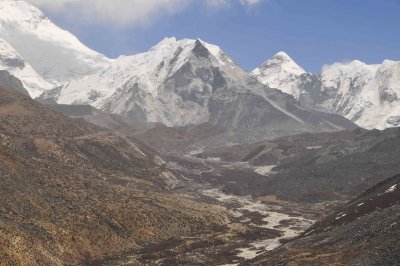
366, 231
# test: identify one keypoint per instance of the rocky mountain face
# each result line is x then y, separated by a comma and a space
348, 236
73, 193
168, 84
8, 80
177, 83
190, 82
102, 192
38, 52
366, 94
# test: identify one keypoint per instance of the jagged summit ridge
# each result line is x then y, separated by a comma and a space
367, 94
190, 82
177, 82
147, 73
148, 69
283, 62
283, 57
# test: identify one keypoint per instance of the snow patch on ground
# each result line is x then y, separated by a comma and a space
273, 216
248, 253
340, 216
264, 170
214, 159
391, 189
314, 147
196, 152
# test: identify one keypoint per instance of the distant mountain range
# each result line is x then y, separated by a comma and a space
187, 82
178, 156
190, 82
369, 95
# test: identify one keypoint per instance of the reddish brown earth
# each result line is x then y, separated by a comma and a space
72, 193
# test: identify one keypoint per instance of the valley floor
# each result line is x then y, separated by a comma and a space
257, 225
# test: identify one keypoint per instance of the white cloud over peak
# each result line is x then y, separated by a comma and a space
125, 12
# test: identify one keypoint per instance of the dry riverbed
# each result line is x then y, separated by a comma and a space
260, 216
256, 226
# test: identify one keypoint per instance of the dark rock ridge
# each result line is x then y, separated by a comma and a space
366, 231
8, 80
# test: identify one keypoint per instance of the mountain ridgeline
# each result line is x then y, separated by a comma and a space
178, 156
368, 95
190, 82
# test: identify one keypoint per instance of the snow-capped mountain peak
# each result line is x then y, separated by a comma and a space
187, 82
282, 62
21, 14
368, 94
57, 55
183, 48
279, 72
149, 70
342, 74
217, 52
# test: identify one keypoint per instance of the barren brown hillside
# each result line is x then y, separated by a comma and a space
71, 192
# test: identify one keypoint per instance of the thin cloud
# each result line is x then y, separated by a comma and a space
115, 12
218, 3
250, 2
124, 12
